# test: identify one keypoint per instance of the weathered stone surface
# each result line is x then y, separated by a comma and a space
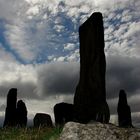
21, 114
10, 113
98, 131
43, 120
63, 112
124, 112
90, 96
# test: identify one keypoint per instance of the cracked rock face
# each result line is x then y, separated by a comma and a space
90, 96
98, 131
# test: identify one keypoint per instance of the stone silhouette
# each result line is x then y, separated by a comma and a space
21, 114
124, 112
63, 112
90, 96
10, 113
43, 120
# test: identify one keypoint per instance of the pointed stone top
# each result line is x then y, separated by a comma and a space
96, 14
122, 97
95, 18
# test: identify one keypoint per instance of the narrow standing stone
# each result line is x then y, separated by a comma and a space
124, 112
10, 113
21, 114
90, 96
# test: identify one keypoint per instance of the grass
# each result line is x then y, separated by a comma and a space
40, 133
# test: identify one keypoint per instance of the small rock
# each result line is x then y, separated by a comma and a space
63, 113
42, 119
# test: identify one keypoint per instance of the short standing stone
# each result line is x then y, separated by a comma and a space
63, 112
42, 119
21, 114
90, 96
124, 112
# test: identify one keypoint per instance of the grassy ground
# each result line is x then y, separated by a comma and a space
30, 133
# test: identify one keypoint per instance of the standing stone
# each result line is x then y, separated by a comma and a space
90, 96
43, 120
63, 112
10, 113
124, 112
21, 114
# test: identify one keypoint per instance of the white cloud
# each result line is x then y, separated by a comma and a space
74, 56
6, 55
126, 16
45, 26
33, 11
19, 41
11, 9
69, 46
60, 59
19, 76
59, 28
133, 30
135, 52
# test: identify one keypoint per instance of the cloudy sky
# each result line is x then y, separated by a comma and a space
39, 51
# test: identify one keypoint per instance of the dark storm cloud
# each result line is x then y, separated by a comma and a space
58, 78
122, 73
61, 78
25, 89
41, 81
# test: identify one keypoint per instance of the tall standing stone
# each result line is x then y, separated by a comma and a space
124, 112
10, 113
90, 96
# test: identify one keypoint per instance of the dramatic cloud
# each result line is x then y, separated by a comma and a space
39, 81
58, 78
46, 28
39, 50
123, 73
20, 76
